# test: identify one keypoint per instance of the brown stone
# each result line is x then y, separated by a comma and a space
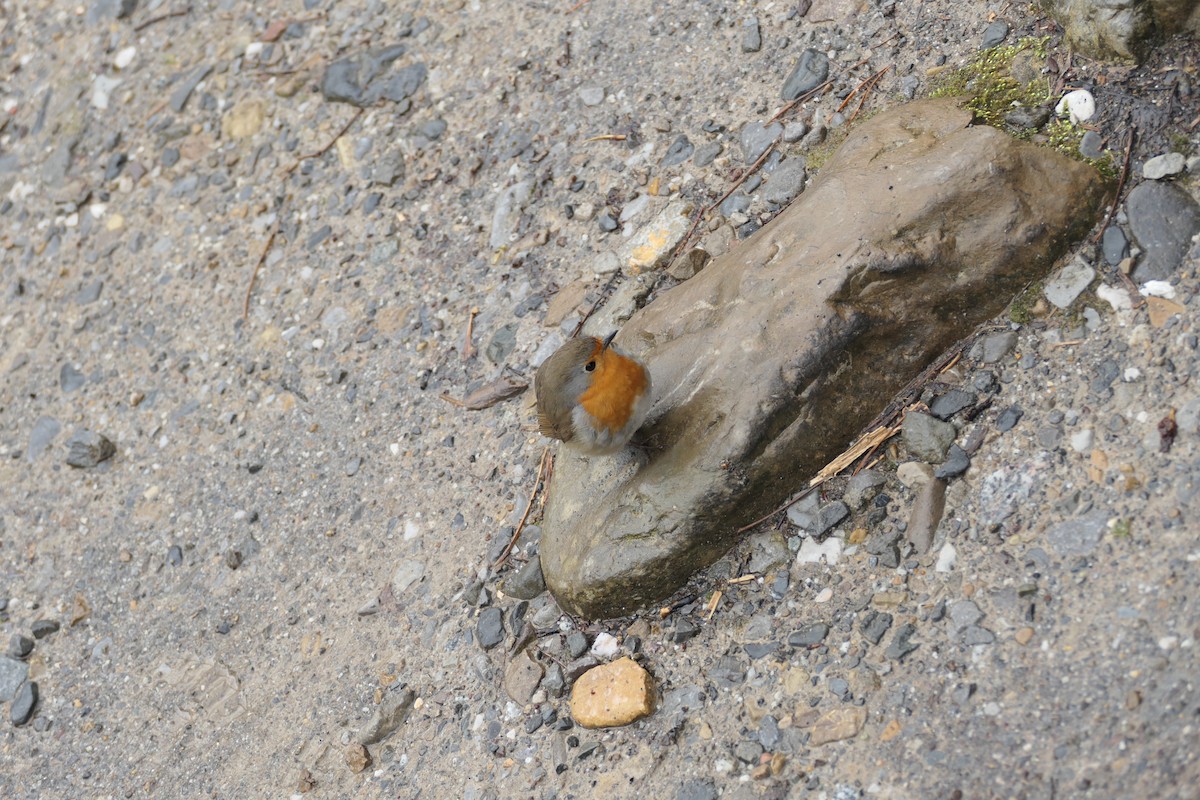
358, 757
770, 361
612, 694
926, 514
840, 723
521, 677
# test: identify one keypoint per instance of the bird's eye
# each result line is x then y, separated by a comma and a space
590, 366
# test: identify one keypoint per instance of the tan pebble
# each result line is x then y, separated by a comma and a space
358, 757
612, 695
837, 724
1023, 635
761, 771
890, 731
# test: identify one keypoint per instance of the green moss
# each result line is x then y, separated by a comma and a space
989, 80
815, 158
1001, 80
1020, 310
1122, 529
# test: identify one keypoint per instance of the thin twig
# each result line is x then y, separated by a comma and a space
261, 258
603, 293
578, 6
1112, 209
683, 243
866, 86
783, 507
147, 23
606, 137
537, 484
867, 91
801, 99
469, 350
328, 145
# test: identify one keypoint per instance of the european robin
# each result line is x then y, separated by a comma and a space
591, 396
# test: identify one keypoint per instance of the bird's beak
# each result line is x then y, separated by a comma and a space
608, 340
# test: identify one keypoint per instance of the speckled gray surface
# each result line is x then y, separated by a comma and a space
295, 528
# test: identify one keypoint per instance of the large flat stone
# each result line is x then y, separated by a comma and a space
771, 360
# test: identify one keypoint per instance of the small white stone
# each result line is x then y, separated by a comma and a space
605, 646
1132, 374
824, 596
811, 551
1078, 105
318, 343
1168, 642
1117, 298
1081, 440
1158, 289
102, 88
125, 57
254, 49
947, 558
411, 530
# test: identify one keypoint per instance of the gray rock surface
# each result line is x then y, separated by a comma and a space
637, 544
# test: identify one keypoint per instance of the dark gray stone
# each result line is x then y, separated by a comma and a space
994, 347
768, 732
751, 36
101, 11
874, 625
86, 449
902, 643
1091, 145
706, 153
366, 79
862, 488
926, 437
679, 151
434, 129
757, 650
19, 646
973, 634
946, 405
390, 714
747, 751
1009, 418
43, 628
994, 34
684, 629
24, 703
183, 91
577, 643
90, 292
810, 72
785, 182
1163, 219
527, 582
489, 629
963, 614
809, 635
957, 462
12, 674
756, 137
1115, 245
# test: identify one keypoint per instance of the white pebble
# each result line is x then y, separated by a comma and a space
824, 596
1079, 105
605, 646
1081, 440
1158, 289
1168, 642
947, 558
318, 343
125, 57
411, 530
811, 552
1117, 298
1132, 374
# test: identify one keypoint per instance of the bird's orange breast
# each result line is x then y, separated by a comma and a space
617, 383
